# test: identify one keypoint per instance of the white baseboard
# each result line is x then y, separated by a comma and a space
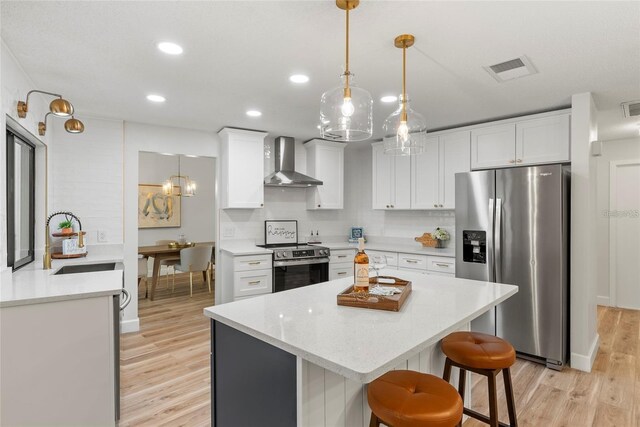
585, 362
603, 301
132, 325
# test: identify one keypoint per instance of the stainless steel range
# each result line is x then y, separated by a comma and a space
298, 266
294, 265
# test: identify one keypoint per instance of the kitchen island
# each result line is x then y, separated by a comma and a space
296, 358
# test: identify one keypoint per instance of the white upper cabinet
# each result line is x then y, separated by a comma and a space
325, 161
242, 168
391, 180
433, 172
455, 157
493, 146
543, 139
424, 176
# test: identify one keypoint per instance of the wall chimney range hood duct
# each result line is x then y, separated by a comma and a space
285, 174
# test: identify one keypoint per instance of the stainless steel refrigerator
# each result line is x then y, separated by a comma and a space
512, 226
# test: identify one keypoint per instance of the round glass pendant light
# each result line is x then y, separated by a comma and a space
404, 130
346, 111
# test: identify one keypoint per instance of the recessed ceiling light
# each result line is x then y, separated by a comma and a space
298, 78
156, 98
389, 98
170, 48
253, 113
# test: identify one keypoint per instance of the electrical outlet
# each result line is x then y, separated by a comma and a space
228, 231
102, 236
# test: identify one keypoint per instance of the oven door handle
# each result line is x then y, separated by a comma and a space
286, 263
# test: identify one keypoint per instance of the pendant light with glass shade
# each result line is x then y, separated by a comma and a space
179, 185
404, 130
346, 111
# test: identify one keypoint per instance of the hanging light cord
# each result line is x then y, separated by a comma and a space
347, 73
404, 83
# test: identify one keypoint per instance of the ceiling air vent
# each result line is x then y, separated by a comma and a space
511, 69
631, 108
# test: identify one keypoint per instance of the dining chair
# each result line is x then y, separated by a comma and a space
168, 262
142, 273
193, 260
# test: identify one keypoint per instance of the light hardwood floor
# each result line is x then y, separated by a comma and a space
608, 396
165, 366
165, 371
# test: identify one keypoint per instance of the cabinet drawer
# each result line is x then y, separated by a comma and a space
391, 257
341, 256
441, 264
412, 261
252, 283
340, 272
251, 262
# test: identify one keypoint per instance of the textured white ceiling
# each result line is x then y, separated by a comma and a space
239, 54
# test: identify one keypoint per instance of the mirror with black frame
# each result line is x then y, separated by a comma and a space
20, 200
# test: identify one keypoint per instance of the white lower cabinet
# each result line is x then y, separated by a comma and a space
252, 275
426, 264
341, 263
256, 282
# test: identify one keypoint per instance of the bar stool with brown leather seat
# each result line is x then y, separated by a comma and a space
485, 355
413, 399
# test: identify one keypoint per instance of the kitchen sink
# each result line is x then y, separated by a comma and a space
86, 268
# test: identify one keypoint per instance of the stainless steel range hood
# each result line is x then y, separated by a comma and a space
285, 174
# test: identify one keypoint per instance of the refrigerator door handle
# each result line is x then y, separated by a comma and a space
490, 241
498, 240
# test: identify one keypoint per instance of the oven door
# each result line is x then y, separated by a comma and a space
293, 274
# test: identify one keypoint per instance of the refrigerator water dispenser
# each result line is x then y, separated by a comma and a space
474, 246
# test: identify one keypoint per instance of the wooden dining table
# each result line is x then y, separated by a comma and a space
159, 253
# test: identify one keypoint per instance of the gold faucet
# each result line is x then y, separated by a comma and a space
46, 261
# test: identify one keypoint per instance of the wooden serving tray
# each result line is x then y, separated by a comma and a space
68, 234
376, 302
427, 240
60, 255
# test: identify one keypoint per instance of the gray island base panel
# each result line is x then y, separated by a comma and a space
252, 383
297, 358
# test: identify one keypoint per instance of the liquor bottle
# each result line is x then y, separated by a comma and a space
361, 269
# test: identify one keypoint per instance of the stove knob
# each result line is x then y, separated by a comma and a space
279, 254
283, 254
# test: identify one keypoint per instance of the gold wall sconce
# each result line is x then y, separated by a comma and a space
59, 107
72, 125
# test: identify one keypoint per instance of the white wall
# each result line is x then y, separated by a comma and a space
14, 85
583, 335
613, 150
197, 213
86, 177
141, 137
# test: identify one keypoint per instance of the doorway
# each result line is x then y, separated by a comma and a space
624, 233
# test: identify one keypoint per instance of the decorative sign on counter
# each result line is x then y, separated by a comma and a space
377, 302
280, 232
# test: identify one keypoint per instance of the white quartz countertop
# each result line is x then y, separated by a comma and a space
358, 343
33, 285
393, 247
239, 247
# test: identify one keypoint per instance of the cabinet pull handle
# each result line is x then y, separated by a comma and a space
254, 262
342, 256
435, 206
392, 206
261, 204
387, 206
318, 205
412, 261
441, 206
512, 161
443, 265
254, 282
519, 161
342, 273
